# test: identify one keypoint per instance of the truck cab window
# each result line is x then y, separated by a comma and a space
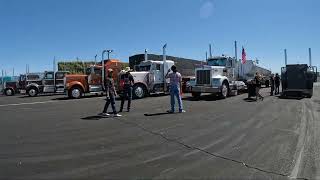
49, 76
217, 62
97, 71
158, 67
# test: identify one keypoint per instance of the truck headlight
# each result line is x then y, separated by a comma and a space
216, 82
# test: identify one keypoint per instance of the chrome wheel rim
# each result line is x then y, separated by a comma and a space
75, 93
139, 92
9, 92
224, 90
32, 92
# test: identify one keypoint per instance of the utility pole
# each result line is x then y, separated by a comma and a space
95, 59
210, 52
206, 57
13, 72
164, 65
236, 55
2, 79
54, 64
310, 60
285, 57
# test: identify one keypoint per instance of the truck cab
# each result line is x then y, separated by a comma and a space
77, 85
48, 82
149, 77
218, 76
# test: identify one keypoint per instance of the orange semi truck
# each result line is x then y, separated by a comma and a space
78, 85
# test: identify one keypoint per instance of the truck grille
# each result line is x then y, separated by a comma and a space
203, 77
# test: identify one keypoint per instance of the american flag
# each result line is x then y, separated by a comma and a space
244, 56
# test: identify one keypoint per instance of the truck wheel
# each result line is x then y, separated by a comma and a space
32, 92
75, 93
9, 92
224, 90
196, 94
139, 91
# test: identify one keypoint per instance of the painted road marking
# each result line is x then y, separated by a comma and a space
19, 104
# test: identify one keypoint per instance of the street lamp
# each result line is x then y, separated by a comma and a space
109, 51
102, 69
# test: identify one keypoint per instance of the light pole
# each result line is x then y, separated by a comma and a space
95, 59
102, 69
109, 51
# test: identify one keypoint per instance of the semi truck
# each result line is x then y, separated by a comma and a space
219, 76
37, 83
224, 76
79, 85
297, 80
149, 78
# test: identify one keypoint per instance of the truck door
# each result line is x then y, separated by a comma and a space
59, 82
156, 78
95, 79
48, 83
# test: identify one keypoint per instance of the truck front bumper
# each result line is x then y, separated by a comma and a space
204, 89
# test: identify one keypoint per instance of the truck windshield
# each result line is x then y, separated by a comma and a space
143, 68
217, 62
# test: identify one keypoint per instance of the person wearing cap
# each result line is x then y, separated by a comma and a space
257, 79
111, 95
127, 89
175, 88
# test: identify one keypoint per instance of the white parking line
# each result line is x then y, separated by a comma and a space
19, 104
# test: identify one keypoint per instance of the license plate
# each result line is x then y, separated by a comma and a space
22, 91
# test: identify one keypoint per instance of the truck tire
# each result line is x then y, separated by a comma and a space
139, 91
9, 92
75, 93
32, 92
224, 90
196, 94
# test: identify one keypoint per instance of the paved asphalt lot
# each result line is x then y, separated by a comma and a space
50, 137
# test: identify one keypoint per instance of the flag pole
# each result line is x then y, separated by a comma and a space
164, 63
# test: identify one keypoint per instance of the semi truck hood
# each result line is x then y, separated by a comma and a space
140, 76
75, 77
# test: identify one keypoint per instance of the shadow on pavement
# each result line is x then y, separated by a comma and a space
157, 114
94, 118
202, 98
250, 99
67, 98
290, 97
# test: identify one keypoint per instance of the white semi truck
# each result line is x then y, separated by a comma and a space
148, 77
219, 76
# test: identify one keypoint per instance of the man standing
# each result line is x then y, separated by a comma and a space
111, 96
175, 88
257, 79
127, 90
272, 84
277, 83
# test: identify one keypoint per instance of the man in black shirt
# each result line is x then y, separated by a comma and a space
277, 83
127, 90
271, 84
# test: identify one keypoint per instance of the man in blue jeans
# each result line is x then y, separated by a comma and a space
111, 96
175, 88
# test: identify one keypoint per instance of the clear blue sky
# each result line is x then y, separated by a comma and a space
34, 31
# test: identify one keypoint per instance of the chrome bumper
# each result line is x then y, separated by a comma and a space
204, 89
